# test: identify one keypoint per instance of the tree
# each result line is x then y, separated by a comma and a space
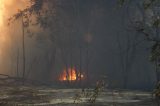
148, 25
127, 54
50, 16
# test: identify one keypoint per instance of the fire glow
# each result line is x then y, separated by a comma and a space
9, 33
70, 75
1, 12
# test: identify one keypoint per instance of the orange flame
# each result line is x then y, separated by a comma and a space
70, 75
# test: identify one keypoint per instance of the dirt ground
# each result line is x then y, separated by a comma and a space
43, 96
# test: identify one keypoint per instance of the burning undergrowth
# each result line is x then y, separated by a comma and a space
71, 74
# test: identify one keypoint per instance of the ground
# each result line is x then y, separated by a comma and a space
44, 96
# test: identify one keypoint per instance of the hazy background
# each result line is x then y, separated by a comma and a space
100, 23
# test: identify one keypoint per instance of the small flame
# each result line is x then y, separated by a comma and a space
71, 75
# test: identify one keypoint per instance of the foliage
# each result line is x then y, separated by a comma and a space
35, 8
91, 95
121, 2
155, 52
147, 24
35, 15
156, 91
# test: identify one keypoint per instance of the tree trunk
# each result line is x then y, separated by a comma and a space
23, 49
17, 71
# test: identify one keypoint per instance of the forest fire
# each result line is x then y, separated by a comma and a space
70, 75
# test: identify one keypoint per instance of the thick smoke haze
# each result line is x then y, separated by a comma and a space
101, 30
9, 35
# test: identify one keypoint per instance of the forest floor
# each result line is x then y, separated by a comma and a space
44, 96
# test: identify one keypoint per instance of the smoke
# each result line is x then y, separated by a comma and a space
9, 34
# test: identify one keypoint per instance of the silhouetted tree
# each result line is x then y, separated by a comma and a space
148, 25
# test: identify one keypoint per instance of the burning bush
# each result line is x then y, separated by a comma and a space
71, 75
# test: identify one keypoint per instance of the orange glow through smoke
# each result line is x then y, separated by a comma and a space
72, 75
7, 9
1, 12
